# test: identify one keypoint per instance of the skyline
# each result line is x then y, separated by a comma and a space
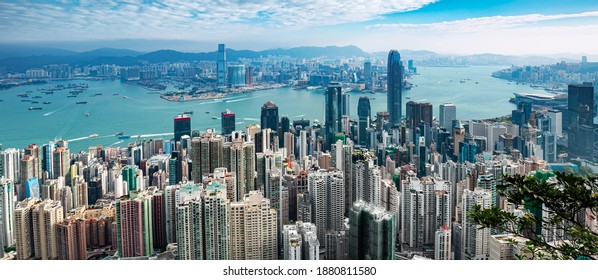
445, 26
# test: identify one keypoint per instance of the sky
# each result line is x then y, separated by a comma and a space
446, 26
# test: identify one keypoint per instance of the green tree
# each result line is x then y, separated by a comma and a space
561, 203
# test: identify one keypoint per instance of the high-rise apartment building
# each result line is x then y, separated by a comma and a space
327, 194
7, 209
45, 216
372, 233
300, 242
23, 230
253, 227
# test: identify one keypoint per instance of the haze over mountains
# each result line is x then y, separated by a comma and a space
20, 58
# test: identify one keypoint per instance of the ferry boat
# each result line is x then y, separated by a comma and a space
119, 133
81, 102
124, 137
35, 108
94, 135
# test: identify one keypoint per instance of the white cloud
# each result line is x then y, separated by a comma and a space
481, 24
175, 19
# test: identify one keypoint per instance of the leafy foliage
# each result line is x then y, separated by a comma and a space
558, 206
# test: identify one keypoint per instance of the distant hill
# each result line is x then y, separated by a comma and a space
7, 51
110, 52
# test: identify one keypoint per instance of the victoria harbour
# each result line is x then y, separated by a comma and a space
137, 113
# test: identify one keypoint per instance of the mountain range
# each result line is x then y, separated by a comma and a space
20, 58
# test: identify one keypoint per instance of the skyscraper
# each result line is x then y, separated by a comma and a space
221, 66
364, 111
372, 233
367, 74
327, 191
134, 225
23, 228
236, 75
6, 212
581, 121
182, 126
475, 240
46, 215
442, 243
253, 228
395, 88
333, 112
228, 122
269, 116
71, 239
417, 112
216, 223
300, 242
448, 113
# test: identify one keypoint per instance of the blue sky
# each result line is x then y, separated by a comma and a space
445, 26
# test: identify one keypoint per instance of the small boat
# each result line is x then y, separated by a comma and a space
49, 92
37, 96
23, 95
71, 96
207, 112
119, 133
115, 94
125, 97
35, 108
86, 115
214, 118
188, 113
81, 102
124, 137
94, 135
34, 102
97, 94
407, 97
25, 100
47, 102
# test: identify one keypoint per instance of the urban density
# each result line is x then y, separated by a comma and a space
305, 153
382, 186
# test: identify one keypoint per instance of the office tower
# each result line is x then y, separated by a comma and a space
327, 199
289, 144
23, 228
236, 75
35, 151
45, 216
221, 66
61, 163
395, 88
364, 111
458, 136
417, 112
249, 76
134, 225
182, 126
549, 146
333, 114
253, 228
129, 175
581, 121
367, 74
448, 113
71, 239
269, 116
442, 244
285, 125
300, 242
228, 122
345, 108
6, 212
371, 233
556, 122
474, 240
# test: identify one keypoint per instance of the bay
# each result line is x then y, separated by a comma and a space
152, 117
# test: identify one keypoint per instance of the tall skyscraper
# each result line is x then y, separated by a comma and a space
71, 239
475, 241
217, 232
269, 116
372, 233
221, 66
228, 122
581, 121
333, 112
364, 111
46, 215
417, 112
327, 191
367, 74
189, 222
395, 88
6, 212
182, 126
236, 75
253, 228
448, 113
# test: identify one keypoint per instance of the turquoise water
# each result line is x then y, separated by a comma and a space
149, 115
